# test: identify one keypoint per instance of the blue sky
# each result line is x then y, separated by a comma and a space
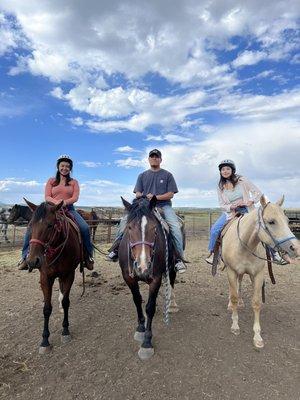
105, 83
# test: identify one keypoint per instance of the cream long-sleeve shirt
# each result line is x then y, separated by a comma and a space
249, 192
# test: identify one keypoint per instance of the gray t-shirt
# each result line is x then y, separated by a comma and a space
156, 182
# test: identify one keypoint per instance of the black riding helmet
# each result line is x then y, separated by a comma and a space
227, 163
65, 158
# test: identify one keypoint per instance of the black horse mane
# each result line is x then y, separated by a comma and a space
139, 207
40, 212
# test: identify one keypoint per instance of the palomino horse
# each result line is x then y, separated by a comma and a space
243, 252
56, 251
19, 211
92, 220
143, 256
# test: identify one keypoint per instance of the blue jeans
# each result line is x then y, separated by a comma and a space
219, 225
172, 220
83, 227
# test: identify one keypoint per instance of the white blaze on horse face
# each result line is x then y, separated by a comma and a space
143, 261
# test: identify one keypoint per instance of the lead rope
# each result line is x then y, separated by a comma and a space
166, 277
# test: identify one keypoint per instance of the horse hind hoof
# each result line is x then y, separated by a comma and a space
258, 344
66, 338
139, 336
145, 353
45, 350
235, 331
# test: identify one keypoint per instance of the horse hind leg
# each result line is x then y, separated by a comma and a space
256, 305
233, 290
240, 299
66, 285
173, 305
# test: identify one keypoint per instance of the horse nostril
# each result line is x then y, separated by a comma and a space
292, 247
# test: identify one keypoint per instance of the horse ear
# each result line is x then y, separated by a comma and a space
30, 205
59, 205
263, 200
153, 202
126, 204
280, 201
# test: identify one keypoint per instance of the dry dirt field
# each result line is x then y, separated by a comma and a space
196, 357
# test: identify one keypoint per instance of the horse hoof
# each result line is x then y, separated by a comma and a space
235, 331
145, 353
139, 336
45, 349
173, 309
258, 344
241, 304
66, 338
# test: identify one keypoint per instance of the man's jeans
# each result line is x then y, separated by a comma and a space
172, 220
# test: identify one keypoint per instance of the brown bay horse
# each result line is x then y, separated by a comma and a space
91, 219
55, 250
144, 256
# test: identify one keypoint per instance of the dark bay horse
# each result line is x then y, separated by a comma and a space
18, 211
56, 251
143, 256
92, 220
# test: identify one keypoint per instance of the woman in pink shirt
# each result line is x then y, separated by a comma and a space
65, 188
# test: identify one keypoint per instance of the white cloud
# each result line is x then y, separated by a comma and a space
13, 190
126, 149
90, 164
249, 58
130, 163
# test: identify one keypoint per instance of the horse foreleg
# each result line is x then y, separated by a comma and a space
256, 305
146, 351
65, 286
233, 293
137, 298
46, 285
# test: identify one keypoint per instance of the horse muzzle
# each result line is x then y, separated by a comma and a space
34, 262
292, 248
142, 271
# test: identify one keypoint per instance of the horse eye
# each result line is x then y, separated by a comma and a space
129, 228
50, 226
272, 222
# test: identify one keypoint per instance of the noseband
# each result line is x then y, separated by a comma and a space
262, 225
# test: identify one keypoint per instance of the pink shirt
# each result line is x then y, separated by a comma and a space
55, 194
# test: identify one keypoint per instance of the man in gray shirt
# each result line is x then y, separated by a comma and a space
161, 183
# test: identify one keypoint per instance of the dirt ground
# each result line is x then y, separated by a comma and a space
196, 357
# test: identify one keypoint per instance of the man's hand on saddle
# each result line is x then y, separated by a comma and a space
149, 196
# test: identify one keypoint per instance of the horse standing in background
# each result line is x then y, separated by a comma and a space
19, 211
4, 215
92, 220
55, 249
144, 256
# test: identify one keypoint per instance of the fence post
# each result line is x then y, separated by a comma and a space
109, 227
14, 236
209, 222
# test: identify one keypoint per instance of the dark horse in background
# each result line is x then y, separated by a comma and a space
4, 214
142, 257
92, 220
19, 213
56, 251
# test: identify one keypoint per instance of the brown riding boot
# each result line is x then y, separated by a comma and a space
22, 265
89, 263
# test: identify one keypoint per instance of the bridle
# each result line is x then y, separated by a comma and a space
131, 245
262, 225
61, 226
